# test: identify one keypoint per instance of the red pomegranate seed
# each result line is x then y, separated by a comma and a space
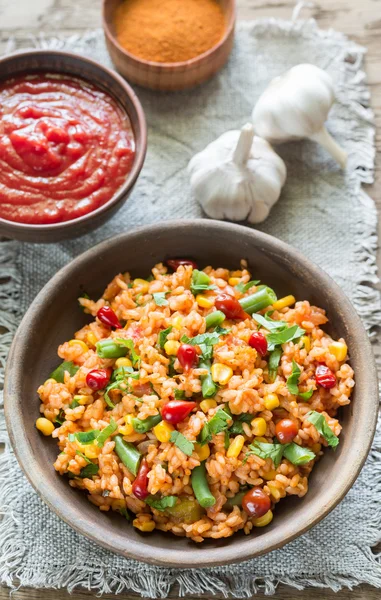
187, 356
258, 341
256, 502
229, 306
286, 430
175, 263
107, 316
140, 485
176, 411
97, 379
325, 377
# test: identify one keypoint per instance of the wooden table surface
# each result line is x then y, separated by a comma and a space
361, 20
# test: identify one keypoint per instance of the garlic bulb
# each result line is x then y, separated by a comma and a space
238, 176
296, 105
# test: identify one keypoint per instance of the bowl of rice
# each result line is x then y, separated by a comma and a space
198, 393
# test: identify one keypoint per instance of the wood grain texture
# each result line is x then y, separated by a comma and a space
359, 20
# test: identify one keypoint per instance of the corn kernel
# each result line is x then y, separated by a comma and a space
306, 342
163, 431
49, 381
127, 429
264, 520
123, 362
283, 302
206, 405
339, 350
118, 503
144, 526
177, 322
261, 439
142, 284
89, 450
91, 339
259, 426
84, 346
204, 301
171, 347
235, 447
274, 491
221, 373
316, 448
234, 281
271, 401
45, 426
83, 399
269, 475
203, 452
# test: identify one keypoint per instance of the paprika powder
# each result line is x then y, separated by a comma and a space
169, 31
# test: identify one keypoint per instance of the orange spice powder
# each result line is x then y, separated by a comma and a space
169, 30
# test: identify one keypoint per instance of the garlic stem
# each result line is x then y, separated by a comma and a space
245, 141
326, 140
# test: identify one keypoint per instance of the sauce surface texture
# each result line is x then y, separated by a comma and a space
65, 148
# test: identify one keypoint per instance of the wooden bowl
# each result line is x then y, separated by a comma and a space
168, 76
54, 316
55, 61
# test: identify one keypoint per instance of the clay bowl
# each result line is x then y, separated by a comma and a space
168, 76
54, 316
54, 61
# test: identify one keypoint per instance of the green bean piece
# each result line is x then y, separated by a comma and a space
128, 454
214, 319
201, 488
235, 501
208, 387
110, 349
261, 299
142, 426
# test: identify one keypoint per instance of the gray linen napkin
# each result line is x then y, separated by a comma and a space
322, 212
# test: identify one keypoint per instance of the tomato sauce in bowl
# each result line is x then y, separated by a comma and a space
66, 147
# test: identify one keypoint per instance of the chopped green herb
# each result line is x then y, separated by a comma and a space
204, 437
179, 394
83, 456
150, 277
221, 330
227, 439
244, 287
74, 404
182, 443
274, 360
273, 451
161, 503
135, 358
116, 385
160, 299
297, 455
121, 373
86, 297
162, 338
171, 369
318, 420
237, 428
217, 424
286, 335
293, 379
106, 432
59, 373
200, 282
124, 512
270, 324
89, 471
306, 395
60, 418
205, 341
84, 437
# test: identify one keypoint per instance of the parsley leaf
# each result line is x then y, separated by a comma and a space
274, 360
182, 443
218, 423
227, 439
60, 418
273, 451
135, 358
162, 338
84, 437
59, 373
161, 503
221, 330
306, 395
124, 512
293, 379
237, 428
323, 428
160, 299
200, 282
278, 338
106, 432
89, 471
74, 404
244, 287
83, 456
298, 455
179, 394
204, 437
205, 341
268, 323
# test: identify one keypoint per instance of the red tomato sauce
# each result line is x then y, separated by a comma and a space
65, 148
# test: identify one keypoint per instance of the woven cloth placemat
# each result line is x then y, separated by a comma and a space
322, 212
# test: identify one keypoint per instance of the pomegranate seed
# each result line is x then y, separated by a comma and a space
97, 379
229, 306
286, 430
187, 356
107, 316
176, 411
140, 485
325, 377
256, 502
175, 263
258, 341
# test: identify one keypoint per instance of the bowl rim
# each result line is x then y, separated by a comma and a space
171, 66
231, 553
139, 156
